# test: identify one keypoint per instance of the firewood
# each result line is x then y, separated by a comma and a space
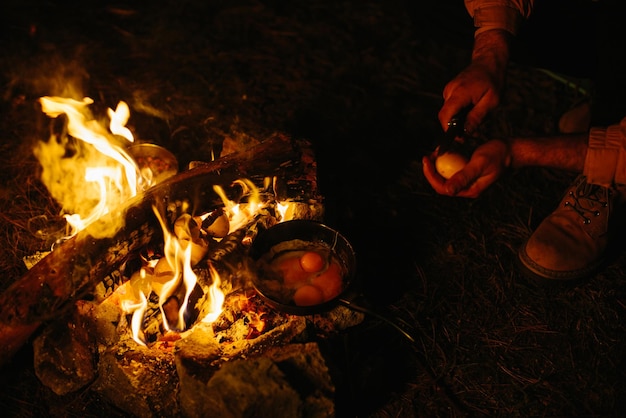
73, 270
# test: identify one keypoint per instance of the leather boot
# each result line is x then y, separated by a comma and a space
571, 243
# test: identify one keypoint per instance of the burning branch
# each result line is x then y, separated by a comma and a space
73, 270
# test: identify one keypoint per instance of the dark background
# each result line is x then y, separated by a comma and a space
362, 81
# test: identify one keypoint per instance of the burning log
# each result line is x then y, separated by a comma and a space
71, 272
156, 352
261, 354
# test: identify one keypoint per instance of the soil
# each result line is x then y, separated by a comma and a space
362, 81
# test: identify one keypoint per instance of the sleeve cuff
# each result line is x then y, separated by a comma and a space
497, 17
605, 162
620, 170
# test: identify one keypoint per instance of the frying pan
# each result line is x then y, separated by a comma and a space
298, 236
307, 234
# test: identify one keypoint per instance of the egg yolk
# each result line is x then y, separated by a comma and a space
310, 276
330, 282
312, 262
308, 295
292, 272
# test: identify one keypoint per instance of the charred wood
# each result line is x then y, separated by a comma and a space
76, 267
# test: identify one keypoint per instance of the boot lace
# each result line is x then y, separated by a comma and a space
588, 199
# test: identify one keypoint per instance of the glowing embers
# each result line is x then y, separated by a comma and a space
90, 170
181, 279
170, 278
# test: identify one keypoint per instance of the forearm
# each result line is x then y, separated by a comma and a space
492, 50
496, 22
566, 152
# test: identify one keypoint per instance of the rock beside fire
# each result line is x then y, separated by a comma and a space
285, 381
66, 352
64, 355
193, 377
142, 382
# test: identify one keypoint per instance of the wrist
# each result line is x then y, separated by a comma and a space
502, 148
508, 154
497, 16
492, 50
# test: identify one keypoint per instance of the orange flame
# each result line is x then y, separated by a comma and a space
178, 256
134, 299
240, 213
99, 175
217, 297
175, 269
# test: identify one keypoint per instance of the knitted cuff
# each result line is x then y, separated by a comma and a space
496, 17
605, 162
620, 170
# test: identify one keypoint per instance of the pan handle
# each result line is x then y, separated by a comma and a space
348, 304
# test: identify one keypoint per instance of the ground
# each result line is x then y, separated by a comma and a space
362, 81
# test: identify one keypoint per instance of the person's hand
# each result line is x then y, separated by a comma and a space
479, 86
485, 166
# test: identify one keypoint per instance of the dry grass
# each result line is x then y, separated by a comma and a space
362, 81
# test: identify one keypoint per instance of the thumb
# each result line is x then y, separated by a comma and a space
460, 181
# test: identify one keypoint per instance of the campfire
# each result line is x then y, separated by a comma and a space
148, 296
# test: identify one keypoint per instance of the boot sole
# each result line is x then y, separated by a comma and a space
548, 277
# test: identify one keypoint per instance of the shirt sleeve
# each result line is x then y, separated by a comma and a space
499, 14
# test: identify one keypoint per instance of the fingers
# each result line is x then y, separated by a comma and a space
481, 108
437, 182
476, 177
474, 118
449, 109
454, 186
460, 184
455, 101
473, 87
476, 188
469, 182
